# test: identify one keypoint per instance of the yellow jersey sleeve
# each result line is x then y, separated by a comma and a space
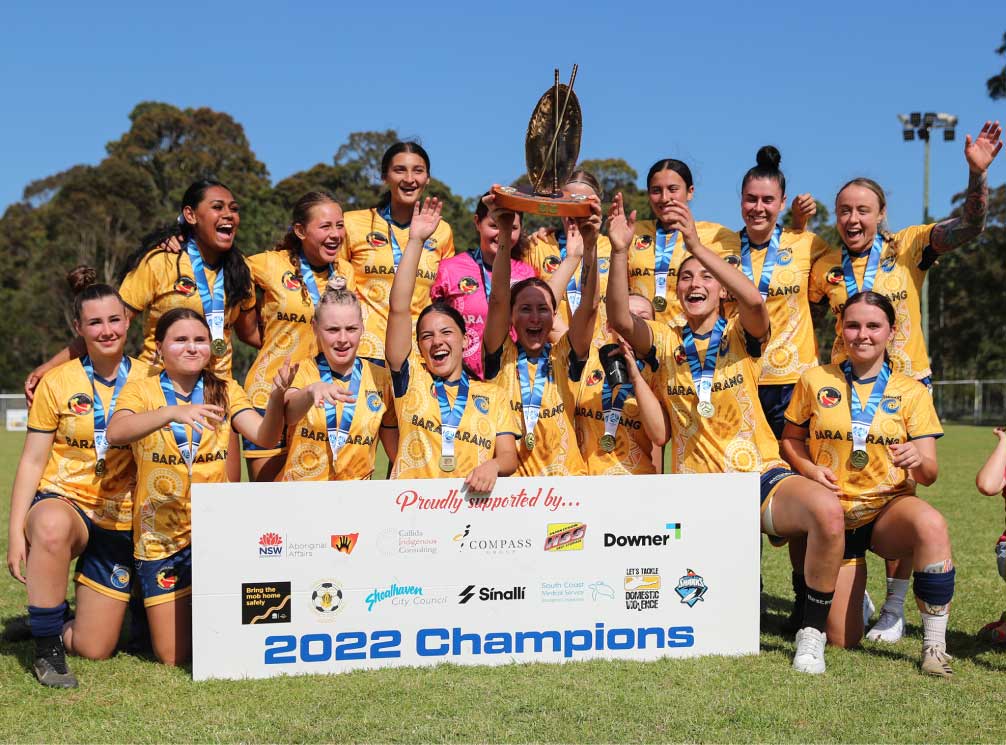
922, 419
801, 404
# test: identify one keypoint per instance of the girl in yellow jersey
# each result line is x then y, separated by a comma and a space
375, 238
449, 424
867, 433
657, 249
292, 277
179, 423
329, 442
72, 494
870, 258
556, 258
542, 379
708, 386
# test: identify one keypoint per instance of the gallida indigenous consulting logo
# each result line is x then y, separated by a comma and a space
691, 588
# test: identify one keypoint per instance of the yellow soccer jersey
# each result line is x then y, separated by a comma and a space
544, 256
162, 507
287, 310
899, 278
792, 347
632, 447
737, 437
64, 405
486, 415
555, 451
642, 254
310, 456
369, 250
820, 403
163, 281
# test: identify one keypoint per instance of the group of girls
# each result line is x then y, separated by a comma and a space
489, 363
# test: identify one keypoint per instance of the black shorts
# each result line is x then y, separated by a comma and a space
857, 543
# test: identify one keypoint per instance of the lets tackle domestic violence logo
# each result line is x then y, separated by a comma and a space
642, 588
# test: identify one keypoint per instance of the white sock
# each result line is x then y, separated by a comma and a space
895, 600
934, 629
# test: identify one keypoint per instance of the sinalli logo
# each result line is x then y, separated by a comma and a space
270, 544
486, 594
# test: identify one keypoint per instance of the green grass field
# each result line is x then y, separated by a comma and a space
873, 694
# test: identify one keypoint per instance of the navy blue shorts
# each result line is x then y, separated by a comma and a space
771, 479
774, 400
165, 580
857, 543
104, 566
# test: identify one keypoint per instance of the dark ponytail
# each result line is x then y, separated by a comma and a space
214, 387
671, 164
767, 166
237, 277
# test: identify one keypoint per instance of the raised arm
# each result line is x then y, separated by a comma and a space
266, 430
750, 305
620, 231
498, 317
559, 280
655, 422
128, 426
979, 153
398, 340
581, 326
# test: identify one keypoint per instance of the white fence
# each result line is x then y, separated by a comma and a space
13, 411
971, 401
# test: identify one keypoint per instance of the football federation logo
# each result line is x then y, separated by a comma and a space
551, 263
430, 244
595, 377
373, 401
602, 265
679, 355
80, 403
482, 404
829, 397
890, 405
691, 589
785, 256
468, 285
643, 242
185, 286
887, 263
292, 282
834, 276
344, 543
376, 239
326, 599
119, 577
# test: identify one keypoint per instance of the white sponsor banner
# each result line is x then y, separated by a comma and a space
326, 577
17, 420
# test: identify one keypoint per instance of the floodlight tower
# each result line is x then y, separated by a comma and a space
918, 124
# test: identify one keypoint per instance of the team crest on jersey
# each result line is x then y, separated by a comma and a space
373, 401
377, 239
643, 242
733, 260
468, 285
829, 397
551, 263
890, 405
834, 276
119, 577
80, 403
185, 286
167, 578
292, 281
482, 404
430, 244
785, 256
679, 354
595, 377
887, 263
602, 265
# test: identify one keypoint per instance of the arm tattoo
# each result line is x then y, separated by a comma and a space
957, 231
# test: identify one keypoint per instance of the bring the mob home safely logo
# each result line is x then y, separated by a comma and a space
691, 588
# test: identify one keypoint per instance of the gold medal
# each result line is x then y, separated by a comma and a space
448, 463
529, 440
659, 304
607, 442
706, 409
218, 347
859, 459
99, 468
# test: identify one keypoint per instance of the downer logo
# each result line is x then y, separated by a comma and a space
490, 593
655, 539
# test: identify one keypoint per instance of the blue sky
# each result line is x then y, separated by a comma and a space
705, 82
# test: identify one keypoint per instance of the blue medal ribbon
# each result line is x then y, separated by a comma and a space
573, 292
487, 277
771, 256
702, 373
396, 250
531, 397
213, 302
450, 416
663, 251
187, 447
338, 429
98, 408
862, 416
307, 274
869, 276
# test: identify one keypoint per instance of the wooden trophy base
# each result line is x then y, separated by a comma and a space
510, 198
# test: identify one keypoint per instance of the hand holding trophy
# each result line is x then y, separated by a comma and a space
551, 148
